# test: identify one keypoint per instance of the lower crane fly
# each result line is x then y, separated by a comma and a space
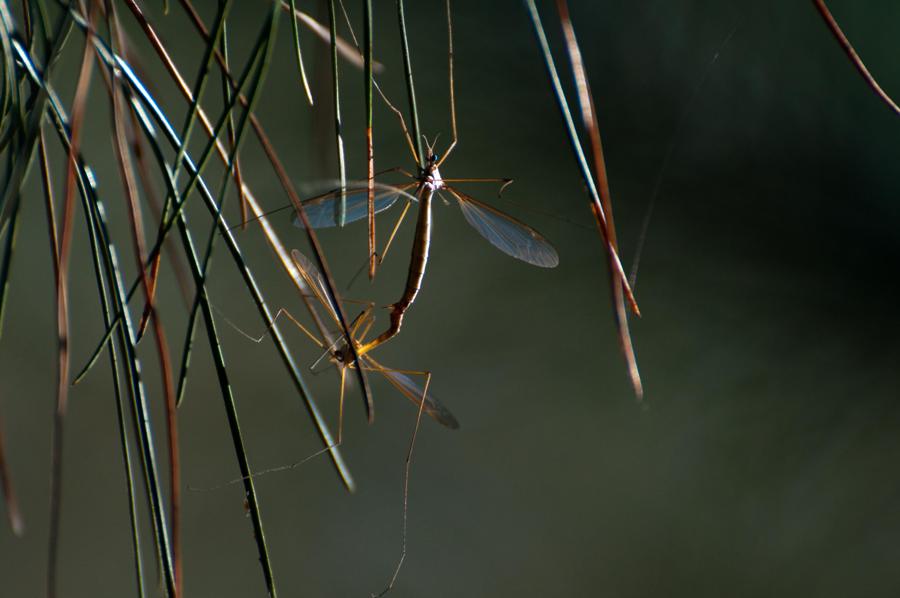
339, 352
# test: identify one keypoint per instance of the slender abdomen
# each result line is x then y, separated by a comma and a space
417, 264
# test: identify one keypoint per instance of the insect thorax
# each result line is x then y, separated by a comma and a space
432, 176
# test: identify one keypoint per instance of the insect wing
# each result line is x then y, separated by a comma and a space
314, 280
413, 392
322, 211
507, 234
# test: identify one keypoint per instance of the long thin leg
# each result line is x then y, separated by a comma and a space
452, 91
394, 232
505, 182
281, 312
262, 472
361, 320
341, 406
365, 332
409, 140
478, 180
318, 453
395, 169
406, 470
331, 193
380, 256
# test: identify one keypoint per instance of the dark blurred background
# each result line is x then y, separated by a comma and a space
764, 459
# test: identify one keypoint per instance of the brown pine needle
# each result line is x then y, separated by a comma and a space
590, 124
853, 56
62, 308
129, 180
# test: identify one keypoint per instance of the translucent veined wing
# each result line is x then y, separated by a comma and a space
322, 211
413, 392
507, 234
314, 280
335, 340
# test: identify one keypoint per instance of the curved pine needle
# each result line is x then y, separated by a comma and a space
129, 180
262, 58
592, 126
140, 417
855, 60
218, 356
62, 308
227, 99
120, 410
200, 85
169, 222
9, 248
30, 123
370, 148
126, 459
255, 88
350, 54
410, 87
270, 234
102, 248
574, 142
199, 298
13, 515
295, 29
11, 100
151, 105
288, 187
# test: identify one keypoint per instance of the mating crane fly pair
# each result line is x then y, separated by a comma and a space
348, 204
502, 230
509, 235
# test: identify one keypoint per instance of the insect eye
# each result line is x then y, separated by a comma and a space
434, 157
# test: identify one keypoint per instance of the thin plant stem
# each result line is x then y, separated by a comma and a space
129, 179
370, 149
295, 29
103, 249
338, 126
592, 126
855, 60
410, 87
575, 143
269, 232
62, 311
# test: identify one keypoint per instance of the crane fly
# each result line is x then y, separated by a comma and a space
506, 233
339, 351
